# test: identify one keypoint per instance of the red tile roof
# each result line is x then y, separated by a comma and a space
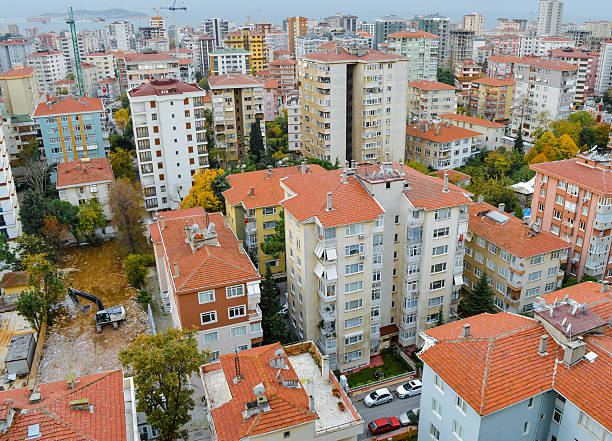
571, 53
288, 405
69, 105
14, 279
439, 132
331, 54
267, 192
58, 422
556, 39
81, 172
576, 171
413, 34
160, 87
234, 79
513, 236
471, 119
209, 265
548, 64
489, 81
44, 53
431, 85
454, 176
136, 57
17, 72
271, 83
426, 191
505, 59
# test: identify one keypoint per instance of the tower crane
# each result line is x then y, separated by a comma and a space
77, 55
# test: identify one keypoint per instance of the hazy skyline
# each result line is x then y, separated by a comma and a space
573, 10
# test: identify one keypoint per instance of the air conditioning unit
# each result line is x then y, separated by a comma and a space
362, 236
585, 199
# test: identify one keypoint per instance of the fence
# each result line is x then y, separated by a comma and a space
40, 342
384, 382
401, 435
150, 319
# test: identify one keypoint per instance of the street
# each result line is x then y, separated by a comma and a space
394, 408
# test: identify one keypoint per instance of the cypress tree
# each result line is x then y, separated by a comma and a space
273, 323
519, 146
480, 299
256, 144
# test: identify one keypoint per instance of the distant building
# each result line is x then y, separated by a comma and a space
119, 35
272, 100
296, 27
50, 67
461, 45
440, 26
474, 22
224, 61
428, 99
135, 68
421, 48
603, 81
254, 43
10, 225
216, 28
586, 74
19, 90
491, 133
384, 26
13, 53
491, 98
550, 16
465, 72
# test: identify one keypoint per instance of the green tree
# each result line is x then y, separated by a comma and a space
125, 101
480, 299
418, 166
519, 145
586, 138
584, 119
161, 365
7, 256
66, 214
203, 84
33, 210
127, 208
122, 163
218, 186
31, 306
135, 269
29, 245
602, 137
29, 152
446, 76
566, 127
273, 323
91, 217
497, 163
274, 244
256, 144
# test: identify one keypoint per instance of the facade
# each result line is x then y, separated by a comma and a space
442, 146
204, 46
13, 53
587, 70
465, 72
72, 128
491, 98
491, 133
428, 99
539, 46
571, 200
385, 26
108, 89
135, 68
296, 27
19, 90
207, 280
521, 264
353, 104
285, 72
526, 371
224, 61
556, 97
119, 35
10, 225
253, 42
271, 100
276, 41
50, 67
216, 28
85, 179
308, 43
604, 70
508, 45
252, 406
599, 29
104, 62
461, 45
474, 22
440, 26
253, 207
421, 48
170, 136
550, 16
294, 124
237, 102
502, 66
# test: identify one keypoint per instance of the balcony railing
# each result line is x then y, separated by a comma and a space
327, 312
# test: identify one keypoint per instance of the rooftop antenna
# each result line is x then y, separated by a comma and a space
237, 365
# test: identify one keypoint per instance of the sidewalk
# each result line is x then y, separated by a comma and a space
162, 319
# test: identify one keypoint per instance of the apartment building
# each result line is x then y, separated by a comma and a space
104, 62
252, 406
441, 146
225, 61
461, 45
491, 98
428, 99
294, 124
170, 135
365, 265
599, 29
19, 90
216, 28
308, 43
506, 45
353, 104
253, 42
72, 128
502, 66
440, 26
253, 207
539, 378
585, 75
521, 263
545, 85
237, 102
421, 48
603, 82
538, 46
49, 66
285, 72
276, 41
10, 225
550, 15
119, 35
135, 68
474, 22
465, 72
207, 280
296, 27
272, 100
85, 179
13, 53
204, 45
491, 133
571, 200
385, 26
90, 77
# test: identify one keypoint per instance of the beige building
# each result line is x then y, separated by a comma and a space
491, 98
237, 101
373, 255
20, 90
521, 262
353, 104
491, 133
104, 61
50, 66
474, 22
428, 99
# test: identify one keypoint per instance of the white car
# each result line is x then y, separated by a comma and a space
413, 387
379, 396
404, 418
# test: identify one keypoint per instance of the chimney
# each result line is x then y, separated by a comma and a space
252, 192
574, 352
604, 286
329, 201
480, 199
445, 187
543, 345
176, 269
501, 207
325, 367
465, 332
162, 221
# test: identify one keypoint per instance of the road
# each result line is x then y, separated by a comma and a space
394, 408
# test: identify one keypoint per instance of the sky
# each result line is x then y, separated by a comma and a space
574, 10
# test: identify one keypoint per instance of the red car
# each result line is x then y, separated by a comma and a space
384, 425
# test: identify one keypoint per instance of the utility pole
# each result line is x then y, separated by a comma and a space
77, 55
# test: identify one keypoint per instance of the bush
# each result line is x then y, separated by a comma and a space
135, 269
143, 298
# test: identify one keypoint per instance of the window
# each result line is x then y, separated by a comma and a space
353, 268
457, 430
477, 272
353, 305
468, 251
377, 275
490, 264
434, 432
436, 407
353, 322
557, 416
439, 250
526, 428
438, 268
505, 255
211, 337
287, 434
353, 250
436, 284
461, 404
502, 271
559, 200
440, 232
436, 301
554, 255
500, 287
562, 185
532, 292
593, 427
445, 213
352, 356
498, 303
536, 275
354, 229
375, 312
353, 339
492, 248
255, 327
536, 260
206, 296
479, 257
377, 258
208, 317
234, 291
376, 294
239, 331
481, 242
236, 311
269, 210
438, 383
270, 225
377, 239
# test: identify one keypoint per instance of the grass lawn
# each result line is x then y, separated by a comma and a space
392, 366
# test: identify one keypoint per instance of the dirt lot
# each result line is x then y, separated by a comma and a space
72, 343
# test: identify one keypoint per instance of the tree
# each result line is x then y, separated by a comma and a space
127, 208
32, 307
565, 147
32, 211
566, 127
519, 145
218, 186
480, 299
135, 269
602, 137
125, 101
28, 245
542, 123
497, 163
161, 365
584, 119
36, 174
203, 84
66, 214
272, 321
495, 191
122, 162
29, 152
7, 256
418, 166
274, 244
52, 232
256, 144
121, 117
202, 194
91, 218
446, 76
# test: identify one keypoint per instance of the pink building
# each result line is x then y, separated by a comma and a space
573, 200
587, 70
506, 44
502, 66
271, 100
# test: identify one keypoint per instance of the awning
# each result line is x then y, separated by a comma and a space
331, 254
318, 250
331, 273
458, 279
253, 288
319, 269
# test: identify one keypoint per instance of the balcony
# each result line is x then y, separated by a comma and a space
515, 284
256, 334
328, 293
594, 267
518, 265
603, 219
327, 345
255, 316
327, 311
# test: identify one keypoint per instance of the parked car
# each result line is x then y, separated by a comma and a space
379, 396
405, 417
413, 387
384, 425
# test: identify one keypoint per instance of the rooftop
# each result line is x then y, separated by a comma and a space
571, 53
340, 54
471, 120
68, 105
84, 171
234, 79
13, 279
548, 64
161, 87
412, 34
441, 132
17, 72
582, 171
454, 176
230, 52
489, 81
430, 85
142, 57
504, 59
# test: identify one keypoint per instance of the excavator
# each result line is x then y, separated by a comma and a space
104, 316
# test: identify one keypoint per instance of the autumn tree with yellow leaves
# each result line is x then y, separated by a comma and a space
204, 191
550, 148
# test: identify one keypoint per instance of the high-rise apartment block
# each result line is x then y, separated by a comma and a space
440, 26
10, 225
309, 43
550, 15
104, 62
359, 278
237, 102
285, 72
276, 41
216, 28
385, 26
353, 104
586, 74
461, 45
204, 45
491, 98
135, 68
294, 124
252, 42
428, 99
603, 81
599, 29
296, 27
19, 90
170, 136
224, 61
50, 67
421, 48
119, 35
474, 22
13, 53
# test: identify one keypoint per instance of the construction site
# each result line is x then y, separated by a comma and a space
73, 344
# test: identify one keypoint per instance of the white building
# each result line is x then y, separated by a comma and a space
309, 43
539, 46
13, 53
491, 133
224, 61
50, 67
474, 22
216, 28
603, 82
549, 17
105, 63
276, 41
119, 35
10, 225
294, 124
169, 131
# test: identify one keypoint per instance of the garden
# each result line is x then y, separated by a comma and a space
392, 365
